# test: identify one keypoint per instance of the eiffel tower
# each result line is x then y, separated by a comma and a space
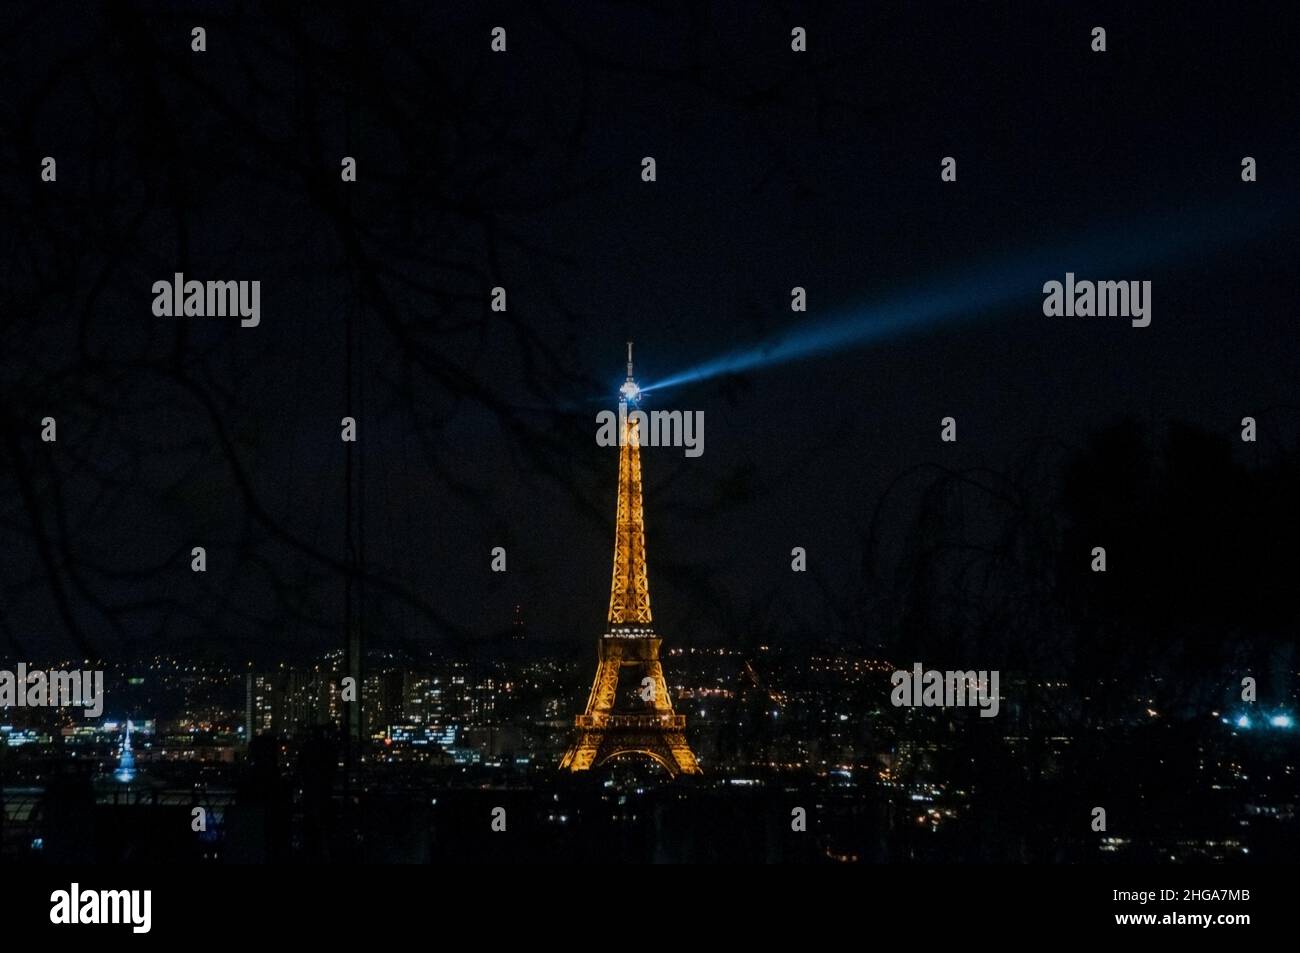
629, 713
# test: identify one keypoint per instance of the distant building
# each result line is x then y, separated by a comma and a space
287, 701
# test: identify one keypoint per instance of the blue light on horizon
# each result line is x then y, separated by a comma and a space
1280, 720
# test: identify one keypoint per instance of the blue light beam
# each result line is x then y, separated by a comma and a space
974, 293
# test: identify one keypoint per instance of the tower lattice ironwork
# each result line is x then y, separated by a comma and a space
629, 712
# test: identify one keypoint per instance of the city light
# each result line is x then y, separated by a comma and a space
1280, 720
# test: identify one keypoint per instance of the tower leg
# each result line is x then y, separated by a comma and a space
653, 732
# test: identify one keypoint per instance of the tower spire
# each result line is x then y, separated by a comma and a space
629, 595
126, 763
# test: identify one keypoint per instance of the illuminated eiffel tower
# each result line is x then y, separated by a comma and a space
629, 712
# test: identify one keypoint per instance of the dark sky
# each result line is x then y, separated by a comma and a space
522, 169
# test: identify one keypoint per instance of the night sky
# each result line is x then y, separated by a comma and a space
477, 429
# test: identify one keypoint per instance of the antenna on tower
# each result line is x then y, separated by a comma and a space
629, 391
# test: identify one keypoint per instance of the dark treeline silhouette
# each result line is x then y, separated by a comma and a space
1199, 536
